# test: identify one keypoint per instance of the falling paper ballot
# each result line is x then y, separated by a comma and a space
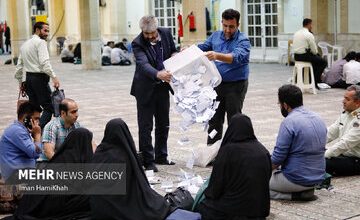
194, 79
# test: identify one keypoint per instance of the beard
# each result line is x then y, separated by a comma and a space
44, 37
284, 112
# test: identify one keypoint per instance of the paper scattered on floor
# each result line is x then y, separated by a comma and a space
323, 86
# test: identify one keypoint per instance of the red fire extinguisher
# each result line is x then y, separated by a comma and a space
192, 26
180, 31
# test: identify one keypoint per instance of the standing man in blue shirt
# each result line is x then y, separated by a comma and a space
19, 145
230, 49
299, 150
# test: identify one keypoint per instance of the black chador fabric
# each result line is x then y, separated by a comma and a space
77, 148
239, 182
140, 201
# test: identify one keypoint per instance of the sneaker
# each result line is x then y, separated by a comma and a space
164, 162
152, 167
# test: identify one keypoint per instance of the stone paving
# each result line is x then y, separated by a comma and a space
104, 94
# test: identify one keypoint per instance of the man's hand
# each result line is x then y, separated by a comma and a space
38, 149
35, 131
273, 166
56, 82
211, 55
49, 150
164, 75
184, 47
327, 154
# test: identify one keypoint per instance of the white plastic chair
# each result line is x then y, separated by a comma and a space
283, 52
302, 74
324, 46
337, 52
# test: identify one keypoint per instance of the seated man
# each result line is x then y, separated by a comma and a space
106, 54
351, 71
67, 56
119, 56
19, 144
58, 128
299, 149
305, 50
343, 158
334, 76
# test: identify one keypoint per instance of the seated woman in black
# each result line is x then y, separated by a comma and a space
239, 182
77, 148
140, 201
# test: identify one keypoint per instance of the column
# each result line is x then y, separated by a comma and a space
198, 9
319, 15
113, 20
57, 23
344, 13
19, 23
90, 34
72, 21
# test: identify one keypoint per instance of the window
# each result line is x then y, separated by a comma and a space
164, 10
262, 24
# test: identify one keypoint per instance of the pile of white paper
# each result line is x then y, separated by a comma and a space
194, 101
194, 79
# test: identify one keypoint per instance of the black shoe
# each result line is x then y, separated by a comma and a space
164, 162
307, 195
151, 167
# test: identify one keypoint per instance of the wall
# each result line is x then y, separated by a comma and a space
3, 14
293, 15
225, 4
72, 21
353, 19
133, 16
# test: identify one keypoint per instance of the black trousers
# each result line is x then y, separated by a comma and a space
39, 92
318, 64
157, 108
231, 96
123, 63
342, 84
343, 166
7, 46
67, 59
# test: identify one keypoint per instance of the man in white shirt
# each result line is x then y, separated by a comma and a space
34, 60
343, 157
305, 49
67, 55
351, 71
119, 57
106, 54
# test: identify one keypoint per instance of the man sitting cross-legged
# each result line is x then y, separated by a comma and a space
343, 157
299, 150
58, 128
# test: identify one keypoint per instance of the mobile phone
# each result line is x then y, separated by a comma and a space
27, 122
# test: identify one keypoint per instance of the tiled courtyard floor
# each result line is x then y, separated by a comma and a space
104, 94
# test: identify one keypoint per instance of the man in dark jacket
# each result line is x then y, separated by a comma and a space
151, 88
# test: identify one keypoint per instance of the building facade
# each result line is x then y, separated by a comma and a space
268, 23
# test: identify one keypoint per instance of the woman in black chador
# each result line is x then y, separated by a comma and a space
140, 201
239, 183
77, 148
